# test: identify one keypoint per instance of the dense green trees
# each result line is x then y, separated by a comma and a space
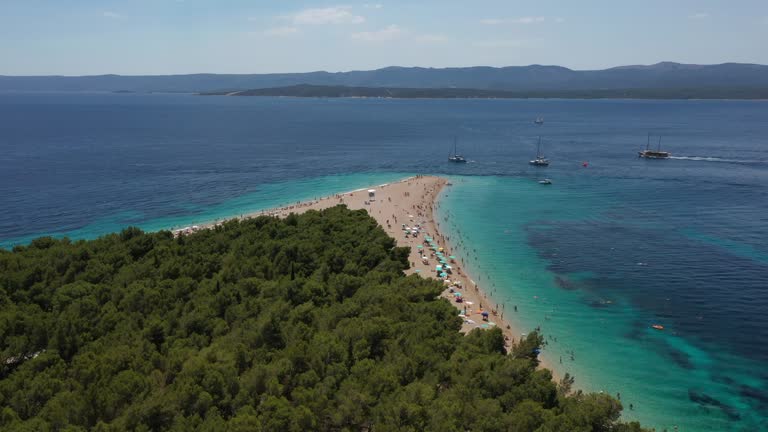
306, 323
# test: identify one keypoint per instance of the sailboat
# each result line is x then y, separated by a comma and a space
539, 121
455, 157
653, 154
540, 159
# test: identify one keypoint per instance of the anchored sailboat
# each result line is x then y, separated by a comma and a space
540, 159
455, 157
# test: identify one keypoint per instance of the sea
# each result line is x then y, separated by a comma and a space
614, 245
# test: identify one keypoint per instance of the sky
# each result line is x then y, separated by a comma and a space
147, 37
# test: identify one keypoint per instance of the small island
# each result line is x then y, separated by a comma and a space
329, 91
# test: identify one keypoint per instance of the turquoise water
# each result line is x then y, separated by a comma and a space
495, 222
265, 196
594, 259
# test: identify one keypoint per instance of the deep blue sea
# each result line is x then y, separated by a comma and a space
594, 259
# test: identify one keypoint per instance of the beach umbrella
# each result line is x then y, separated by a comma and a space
485, 314
419, 247
443, 274
448, 267
438, 268
440, 249
457, 294
452, 257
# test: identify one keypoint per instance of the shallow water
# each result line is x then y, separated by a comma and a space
595, 286
594, 259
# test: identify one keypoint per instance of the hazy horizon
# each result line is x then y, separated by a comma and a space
384, 67
167, 37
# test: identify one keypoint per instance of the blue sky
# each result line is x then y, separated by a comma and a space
80, 37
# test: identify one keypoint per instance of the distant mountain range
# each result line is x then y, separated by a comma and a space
534, 78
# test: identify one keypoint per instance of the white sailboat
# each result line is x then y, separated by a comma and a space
540, 159
455, 157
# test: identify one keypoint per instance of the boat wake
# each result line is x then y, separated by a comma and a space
715, 159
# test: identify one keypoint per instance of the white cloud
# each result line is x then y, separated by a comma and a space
528, 20
388, 33
373, 5
559, 20
281, 31
329, 15
109, 14
521, 20
699, 15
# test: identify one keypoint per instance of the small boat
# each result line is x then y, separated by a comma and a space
539, 121
455, 157
653, 154
545, 182
540, 159
658, 326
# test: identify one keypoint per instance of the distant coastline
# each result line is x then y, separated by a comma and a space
665, 80
326, 91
